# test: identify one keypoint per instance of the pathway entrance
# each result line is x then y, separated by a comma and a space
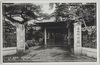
51, 54
55, 54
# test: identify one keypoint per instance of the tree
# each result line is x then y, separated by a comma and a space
18, 15
24, 11
78, 12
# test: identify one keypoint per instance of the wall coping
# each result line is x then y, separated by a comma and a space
9, 48
89, 49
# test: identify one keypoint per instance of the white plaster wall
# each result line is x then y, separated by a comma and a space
89, 52
9, 51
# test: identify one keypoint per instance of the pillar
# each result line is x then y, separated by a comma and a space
77, 38
45, 37
20, 38
69, 33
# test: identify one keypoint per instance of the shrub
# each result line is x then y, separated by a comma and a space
32, 42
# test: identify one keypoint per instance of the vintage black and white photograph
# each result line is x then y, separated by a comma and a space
49, 32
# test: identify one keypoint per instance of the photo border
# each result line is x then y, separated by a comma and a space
97, 24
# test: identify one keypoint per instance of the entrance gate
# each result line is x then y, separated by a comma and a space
57, 35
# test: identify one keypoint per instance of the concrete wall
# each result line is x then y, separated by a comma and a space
9, 51
89, 52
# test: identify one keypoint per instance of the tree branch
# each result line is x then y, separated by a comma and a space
84, 23
12, 20
22, 15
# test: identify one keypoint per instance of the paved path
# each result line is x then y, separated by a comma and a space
53, 54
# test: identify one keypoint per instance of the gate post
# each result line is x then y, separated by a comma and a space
77, 38
20, 39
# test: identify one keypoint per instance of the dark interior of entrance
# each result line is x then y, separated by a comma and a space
56, 36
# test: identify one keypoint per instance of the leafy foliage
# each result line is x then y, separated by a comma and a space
9, 35
76, 11
33, 36
25, 11
89, 37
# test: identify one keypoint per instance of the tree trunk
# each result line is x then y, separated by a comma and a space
20, 38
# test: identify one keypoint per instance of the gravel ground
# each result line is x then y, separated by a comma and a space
50, 54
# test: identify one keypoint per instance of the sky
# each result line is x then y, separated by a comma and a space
46, 8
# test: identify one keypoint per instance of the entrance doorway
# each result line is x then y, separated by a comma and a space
57, 37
